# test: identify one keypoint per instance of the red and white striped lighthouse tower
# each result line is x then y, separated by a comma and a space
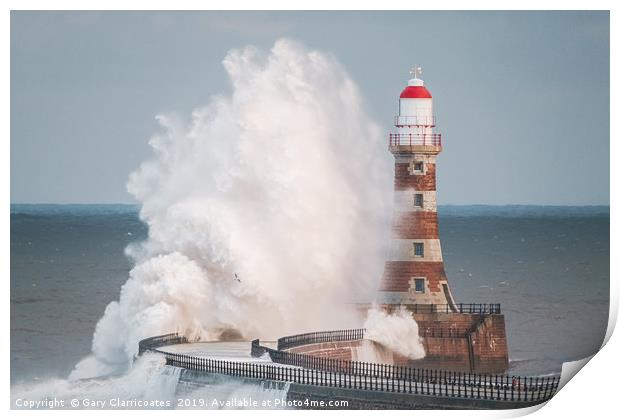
414, 272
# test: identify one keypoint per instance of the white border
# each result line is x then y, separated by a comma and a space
591, 395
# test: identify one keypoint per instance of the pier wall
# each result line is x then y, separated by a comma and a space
323, 397
459, 342
341, 350
373, 400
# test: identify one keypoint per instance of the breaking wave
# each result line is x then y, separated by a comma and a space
265, 212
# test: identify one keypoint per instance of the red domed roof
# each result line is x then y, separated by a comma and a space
415, 92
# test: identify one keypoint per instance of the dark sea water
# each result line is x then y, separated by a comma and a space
547, 266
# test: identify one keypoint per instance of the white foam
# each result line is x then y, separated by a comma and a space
284, 183
148, 379
397, 331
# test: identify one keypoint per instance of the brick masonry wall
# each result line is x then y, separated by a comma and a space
341, 350
443, 353
404, 180
490, 346
398, 274
409, 226
415, 224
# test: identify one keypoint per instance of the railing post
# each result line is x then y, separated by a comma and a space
452, 381
525, 389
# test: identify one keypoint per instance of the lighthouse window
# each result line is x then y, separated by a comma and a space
418, 200
418, 166
419, 285
418, 249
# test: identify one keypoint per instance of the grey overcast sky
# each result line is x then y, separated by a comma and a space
522, 97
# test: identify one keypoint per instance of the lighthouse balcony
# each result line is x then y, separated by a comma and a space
415, 143
420, 121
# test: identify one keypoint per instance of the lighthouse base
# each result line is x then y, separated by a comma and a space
465, 342
480, 346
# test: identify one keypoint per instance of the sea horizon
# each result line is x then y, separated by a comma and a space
505, 210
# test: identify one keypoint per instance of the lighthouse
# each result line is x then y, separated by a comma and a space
414, 272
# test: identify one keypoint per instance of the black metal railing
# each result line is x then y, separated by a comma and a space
152, 343
356, 368
320, 337
464, 308
320, 371
399, 379
442, 333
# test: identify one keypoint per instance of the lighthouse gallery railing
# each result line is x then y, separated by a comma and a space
415, 140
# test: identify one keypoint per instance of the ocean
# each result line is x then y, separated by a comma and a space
547, 266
